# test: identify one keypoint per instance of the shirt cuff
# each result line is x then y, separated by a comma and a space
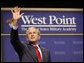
15, 27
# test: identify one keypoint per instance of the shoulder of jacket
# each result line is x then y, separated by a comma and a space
44, 49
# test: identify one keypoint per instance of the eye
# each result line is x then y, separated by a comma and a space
29, 32
34, 32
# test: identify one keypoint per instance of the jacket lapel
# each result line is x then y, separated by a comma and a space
32, 52
43, 54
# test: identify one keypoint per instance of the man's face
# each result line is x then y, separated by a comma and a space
33, 35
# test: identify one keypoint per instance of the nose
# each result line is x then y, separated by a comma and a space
32, 34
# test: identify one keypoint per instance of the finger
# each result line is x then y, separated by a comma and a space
12, 11
19, 10
16, 9
22, 14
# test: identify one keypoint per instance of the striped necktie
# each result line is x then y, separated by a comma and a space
38, 54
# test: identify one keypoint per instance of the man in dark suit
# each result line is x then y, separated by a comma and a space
31, 52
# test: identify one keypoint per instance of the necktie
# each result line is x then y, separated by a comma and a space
38, 54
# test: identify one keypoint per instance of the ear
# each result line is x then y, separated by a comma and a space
39, 37
27, 37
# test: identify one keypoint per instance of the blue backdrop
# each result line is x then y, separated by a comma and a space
63, 48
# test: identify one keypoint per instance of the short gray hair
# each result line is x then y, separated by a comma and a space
34, 28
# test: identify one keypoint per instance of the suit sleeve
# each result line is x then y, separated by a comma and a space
18, 46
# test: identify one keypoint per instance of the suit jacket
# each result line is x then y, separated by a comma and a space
25, 51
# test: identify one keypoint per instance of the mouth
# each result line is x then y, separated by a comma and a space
32, 37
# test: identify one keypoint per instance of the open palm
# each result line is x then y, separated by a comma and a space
16, 13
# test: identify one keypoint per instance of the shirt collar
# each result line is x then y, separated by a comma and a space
36, 45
